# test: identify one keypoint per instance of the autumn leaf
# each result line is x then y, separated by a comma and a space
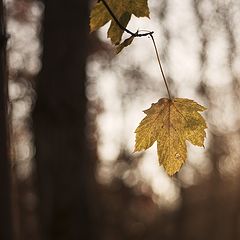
171, 122
124, 44
123, 10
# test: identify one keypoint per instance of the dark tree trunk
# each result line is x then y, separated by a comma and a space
64, 170
5, 199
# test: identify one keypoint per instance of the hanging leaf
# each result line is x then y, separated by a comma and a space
124, 44
122, 9
171, 122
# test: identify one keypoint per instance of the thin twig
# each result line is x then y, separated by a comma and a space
120, 25
137, 34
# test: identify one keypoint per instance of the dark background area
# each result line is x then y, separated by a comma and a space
54, 188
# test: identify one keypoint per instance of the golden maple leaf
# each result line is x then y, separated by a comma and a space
171, 122
122, 9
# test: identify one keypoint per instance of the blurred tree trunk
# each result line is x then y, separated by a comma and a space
63, 164
5, 199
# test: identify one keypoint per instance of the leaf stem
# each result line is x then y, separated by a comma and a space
160, 66
137, 34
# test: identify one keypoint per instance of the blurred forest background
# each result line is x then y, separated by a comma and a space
74, 106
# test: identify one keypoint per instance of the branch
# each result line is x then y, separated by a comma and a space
120, 25
137, 34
